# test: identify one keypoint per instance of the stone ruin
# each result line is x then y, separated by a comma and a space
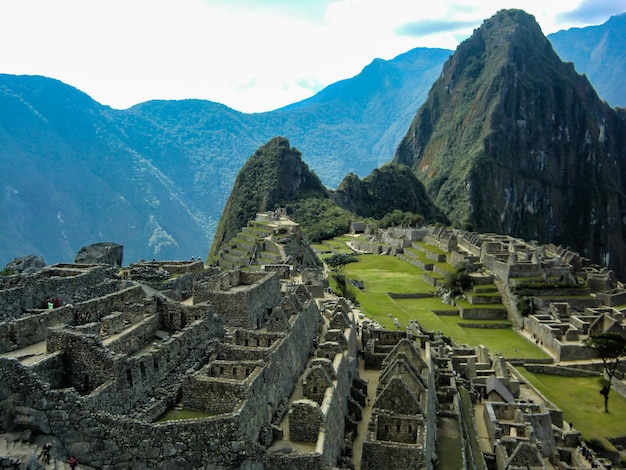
402, 428
99, 374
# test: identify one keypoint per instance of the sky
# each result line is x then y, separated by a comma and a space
251, 55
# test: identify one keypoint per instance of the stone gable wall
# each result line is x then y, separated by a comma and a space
381, 454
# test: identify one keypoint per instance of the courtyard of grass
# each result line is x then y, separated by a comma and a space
578, 397
582, 404
384, 274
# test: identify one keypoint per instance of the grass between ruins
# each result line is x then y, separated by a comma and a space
383, 274
581, 402
578, 397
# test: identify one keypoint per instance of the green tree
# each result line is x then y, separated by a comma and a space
459, 281
610, 348
338, 261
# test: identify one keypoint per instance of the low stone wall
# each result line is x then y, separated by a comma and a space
415, 295
20, 293
486, 326
482, 313
430, 279
560, 370
32, 329
367, 247
280, 461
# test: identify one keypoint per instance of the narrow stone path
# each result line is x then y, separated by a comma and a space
25, 454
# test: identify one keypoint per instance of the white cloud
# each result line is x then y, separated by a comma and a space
250, 55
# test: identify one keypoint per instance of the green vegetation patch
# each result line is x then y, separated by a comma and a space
384, 274
581, 402
173, 415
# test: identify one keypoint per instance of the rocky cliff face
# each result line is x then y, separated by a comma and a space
513, 140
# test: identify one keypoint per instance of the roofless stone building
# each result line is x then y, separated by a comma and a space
100, 375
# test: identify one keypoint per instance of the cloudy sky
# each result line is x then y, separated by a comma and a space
252, 55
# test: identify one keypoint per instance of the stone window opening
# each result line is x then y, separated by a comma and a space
246, 342
142, 368
156, 364
234, 372
129, 377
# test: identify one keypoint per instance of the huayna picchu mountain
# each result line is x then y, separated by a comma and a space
273, 175
512, 140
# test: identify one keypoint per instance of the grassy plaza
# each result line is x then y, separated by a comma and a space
578, 397
384, 274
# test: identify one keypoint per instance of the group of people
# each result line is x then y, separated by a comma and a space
45, 456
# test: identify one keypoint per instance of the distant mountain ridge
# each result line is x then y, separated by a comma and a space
155, 177
598, 52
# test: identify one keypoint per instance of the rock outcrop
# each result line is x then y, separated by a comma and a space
101, 253
26, 264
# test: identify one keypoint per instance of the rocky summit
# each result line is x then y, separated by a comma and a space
512, 140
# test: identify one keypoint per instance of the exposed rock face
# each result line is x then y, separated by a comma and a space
512, 140
26, 264
101, 253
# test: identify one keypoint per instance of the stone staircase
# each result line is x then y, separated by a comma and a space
18, 452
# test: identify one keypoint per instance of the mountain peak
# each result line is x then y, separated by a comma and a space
275, 173
504, 143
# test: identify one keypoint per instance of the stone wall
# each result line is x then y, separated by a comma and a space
335, 408
546, 334
381, 454
87, 425
175, 316
86, 365
70, 284
140, 335
613, 297
246, 304
306, 420
279, 461
221, 386
32, 328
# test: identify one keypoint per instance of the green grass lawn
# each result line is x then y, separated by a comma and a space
579, 398
172, 415
383, 274
335, 245
581, 402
